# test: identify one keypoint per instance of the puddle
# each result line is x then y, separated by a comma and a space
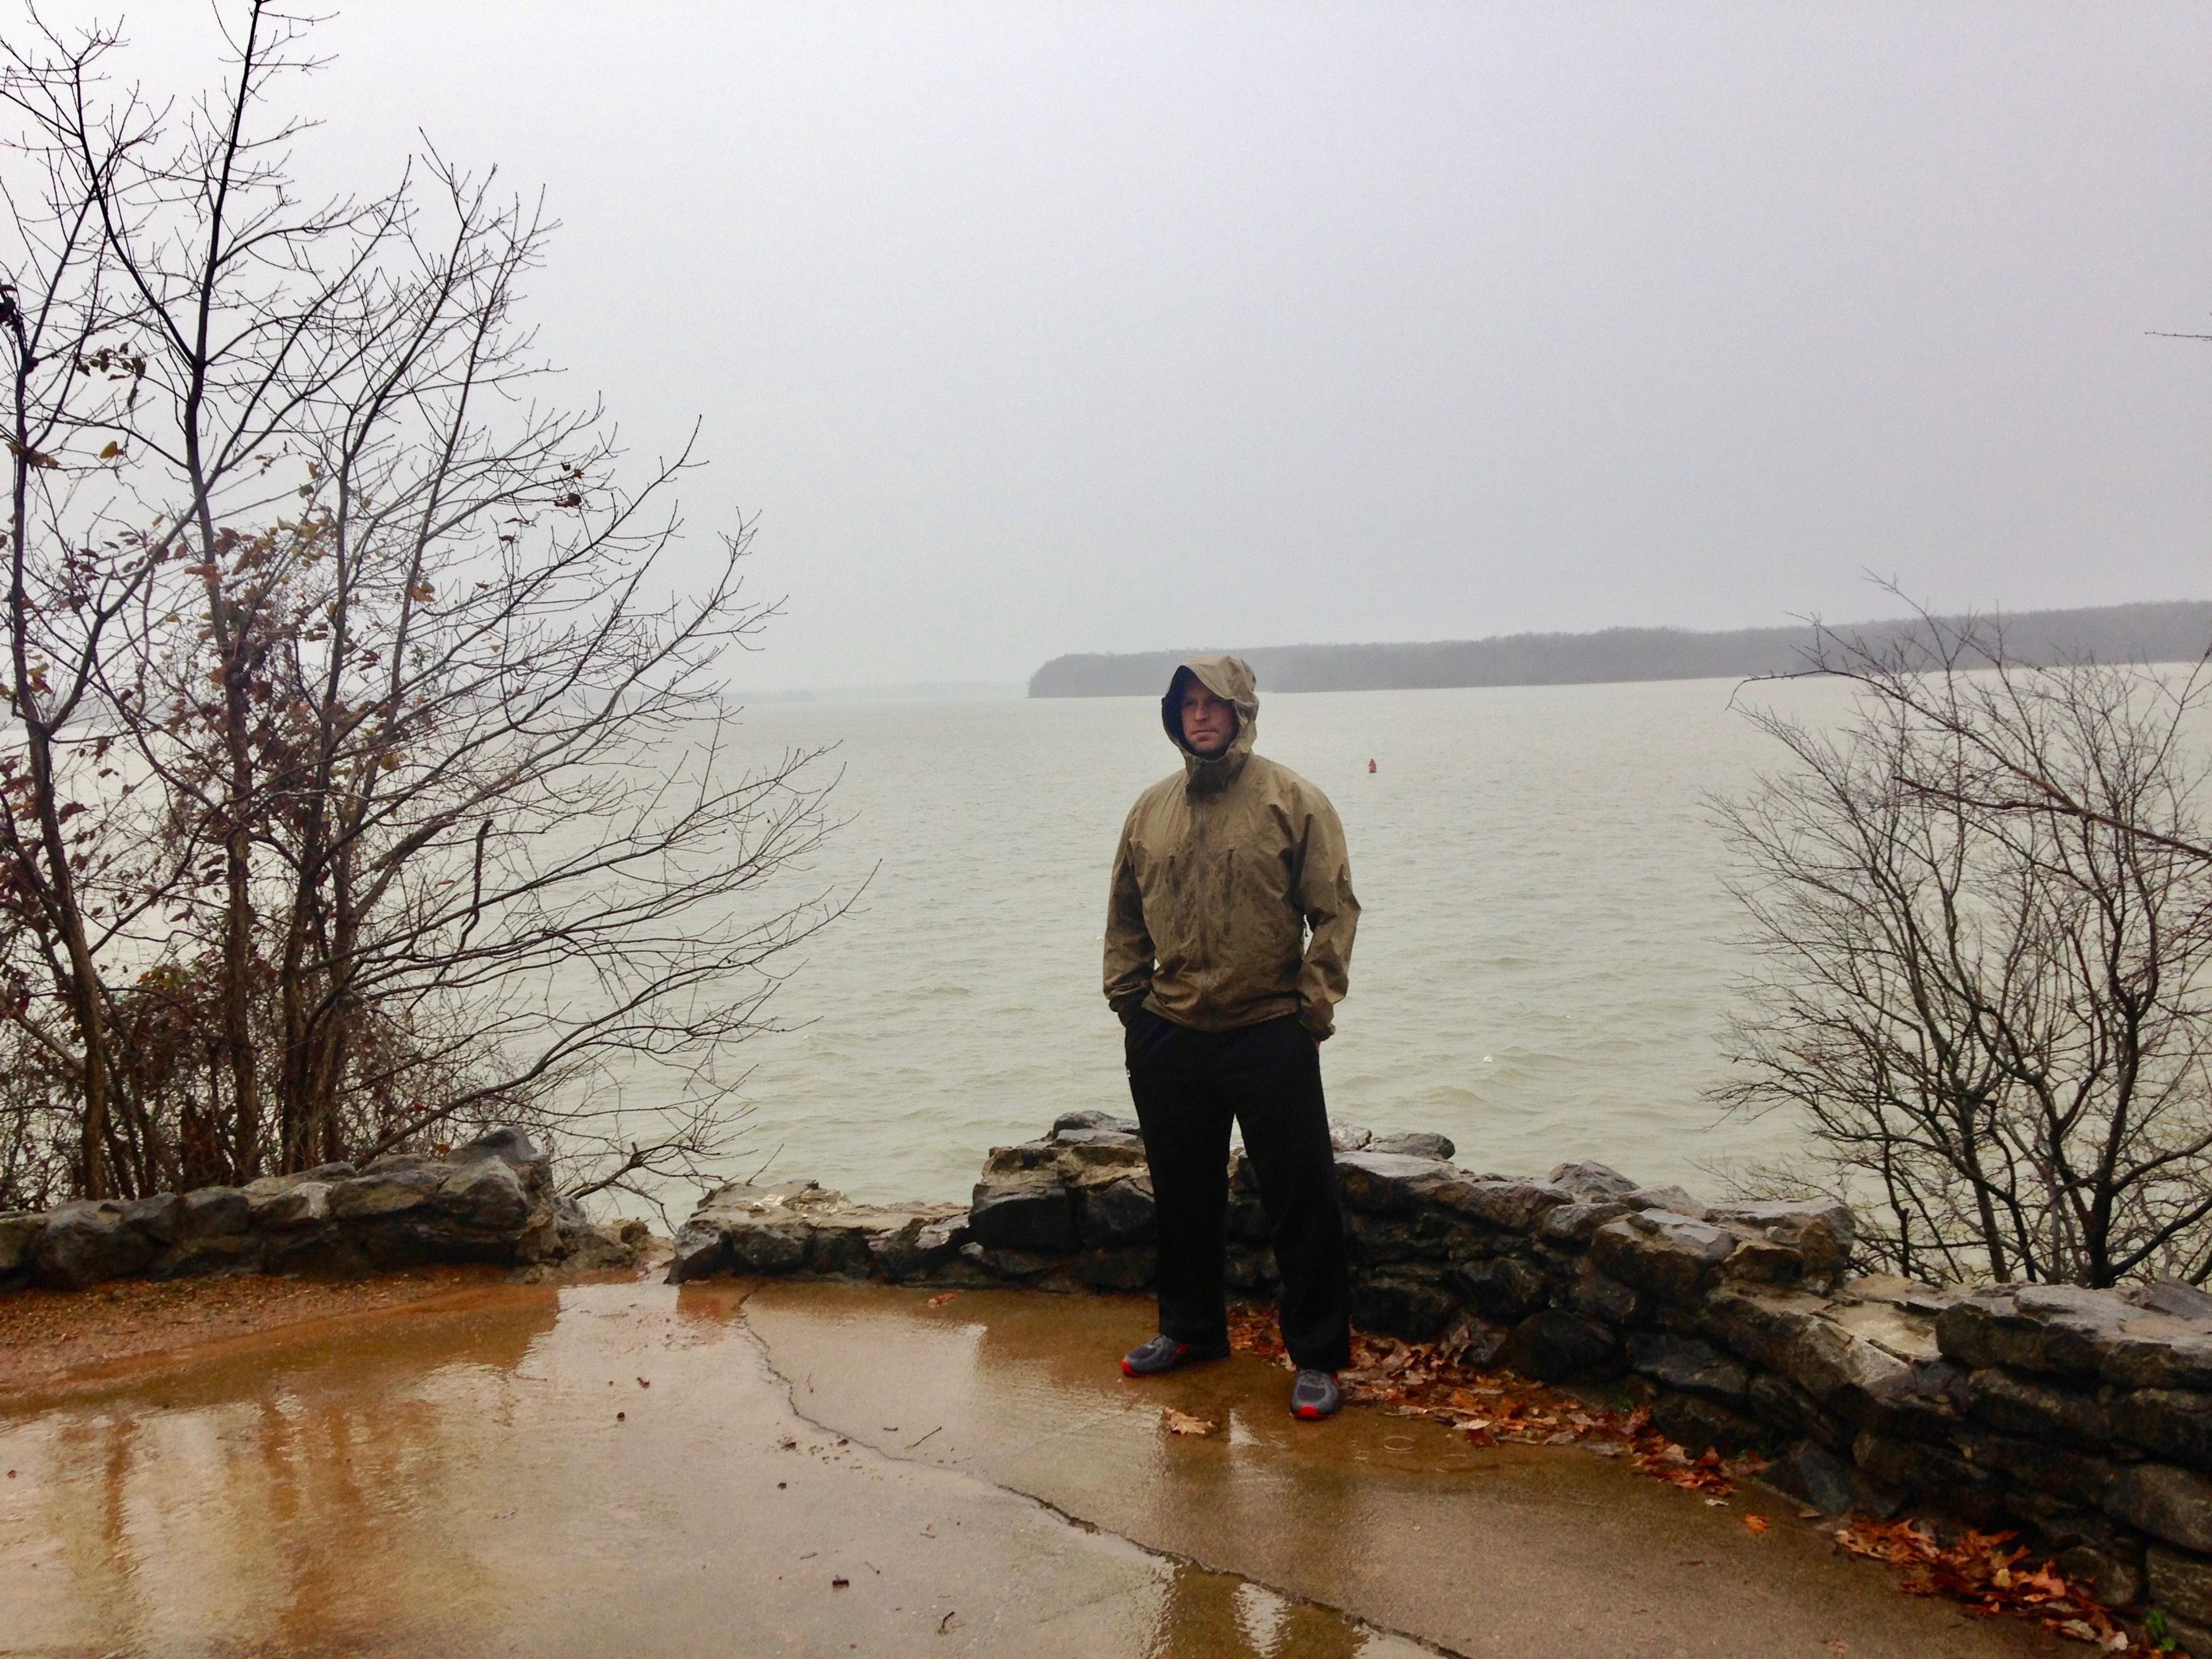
608, 1469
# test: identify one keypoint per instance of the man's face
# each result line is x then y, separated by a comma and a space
1208, 723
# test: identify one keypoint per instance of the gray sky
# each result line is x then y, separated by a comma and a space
1036, 327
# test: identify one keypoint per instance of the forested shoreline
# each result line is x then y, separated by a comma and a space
2172, 631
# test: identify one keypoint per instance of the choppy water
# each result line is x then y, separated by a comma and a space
1543, 972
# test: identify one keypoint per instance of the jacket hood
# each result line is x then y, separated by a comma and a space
1231, 679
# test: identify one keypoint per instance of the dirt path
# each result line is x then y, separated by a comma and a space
54, 1342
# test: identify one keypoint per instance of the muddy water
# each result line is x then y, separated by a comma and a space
629, 1469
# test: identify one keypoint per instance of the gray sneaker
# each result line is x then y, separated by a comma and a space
1315, 1396
1164, 1353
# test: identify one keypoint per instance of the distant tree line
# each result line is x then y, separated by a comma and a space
363, 777
2139, 633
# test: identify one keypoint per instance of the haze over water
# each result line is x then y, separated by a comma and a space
1543, 971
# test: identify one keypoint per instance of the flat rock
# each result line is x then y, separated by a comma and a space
17, 1229
155, 1217
1557, 1346
388, 1191
1069, 1122
1788, 1332
2062, 1330
2022, 1406
1407, 1305
1907, 1294
84, 1243
1672, 1256
214, 1212
1821, 1230
1119, 1212
281, 1203
1575, 1224
1382, 1184
2175, 1297
1685, 1363
2181, 1583
1502, 1288
1515, 1207
1592, 1182
1823, 1479
1413, 1143
2173, 1424
511, 1146
803, 1227
1902, 1331
1678, 1200
485, 1193
1032, 1211
2173, 1505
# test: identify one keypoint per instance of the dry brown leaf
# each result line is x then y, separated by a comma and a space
1988, 1572
1754, 1524
1183, 1423
942, 1297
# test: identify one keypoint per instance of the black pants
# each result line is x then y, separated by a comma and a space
1187, 1085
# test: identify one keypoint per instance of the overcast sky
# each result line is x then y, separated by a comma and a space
1041, 327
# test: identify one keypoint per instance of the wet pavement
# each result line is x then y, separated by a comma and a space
495, 1475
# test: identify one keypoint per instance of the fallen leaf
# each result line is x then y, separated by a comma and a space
1184, 1423
938, 1301
1754, 1524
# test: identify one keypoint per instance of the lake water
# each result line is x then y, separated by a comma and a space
1543, 969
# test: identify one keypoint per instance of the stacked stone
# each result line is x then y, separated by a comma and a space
2082, 1418
802, 1227
2087, 1414
489, 1201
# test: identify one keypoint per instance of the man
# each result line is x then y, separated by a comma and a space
1228, 933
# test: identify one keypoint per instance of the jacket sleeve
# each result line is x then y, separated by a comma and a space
1332, 913
1129, 953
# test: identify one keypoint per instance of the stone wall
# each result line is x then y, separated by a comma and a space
489, 1201
2082, 1419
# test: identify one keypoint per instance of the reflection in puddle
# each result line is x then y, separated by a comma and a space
606, 1470
1218, 1615
302, 1482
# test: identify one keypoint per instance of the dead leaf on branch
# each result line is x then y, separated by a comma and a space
1177, 1422
32, 458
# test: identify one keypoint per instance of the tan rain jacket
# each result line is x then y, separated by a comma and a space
1222, 870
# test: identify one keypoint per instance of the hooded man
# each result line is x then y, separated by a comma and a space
1228, 933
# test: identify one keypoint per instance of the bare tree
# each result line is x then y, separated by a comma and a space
446, 820
77, 870
1981, 912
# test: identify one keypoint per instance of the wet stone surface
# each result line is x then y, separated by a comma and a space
634, 1469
